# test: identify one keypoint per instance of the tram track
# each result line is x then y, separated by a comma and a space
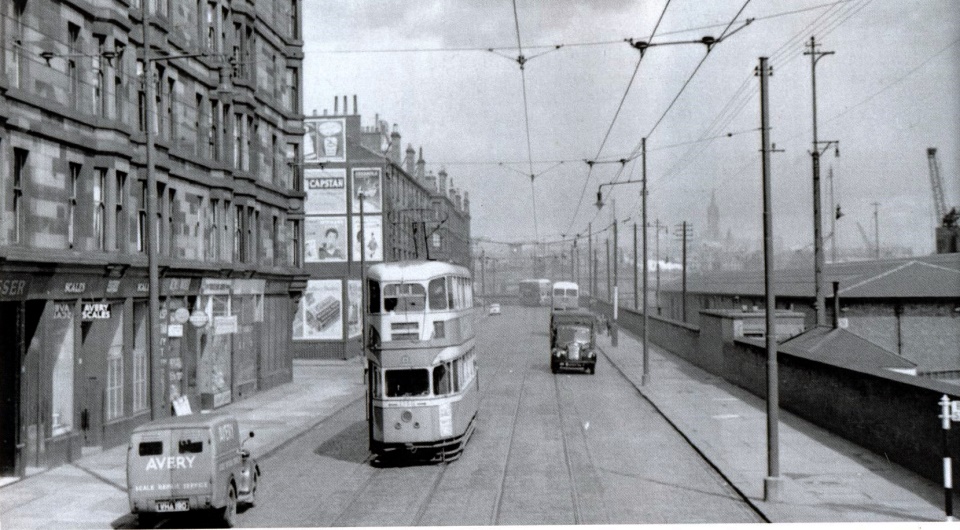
498, 504
726, 479
574, 494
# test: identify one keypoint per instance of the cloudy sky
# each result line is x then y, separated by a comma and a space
889, 91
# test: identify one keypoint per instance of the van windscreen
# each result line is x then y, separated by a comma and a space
150, 448
190, 446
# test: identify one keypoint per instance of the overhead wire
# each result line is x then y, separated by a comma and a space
606, 136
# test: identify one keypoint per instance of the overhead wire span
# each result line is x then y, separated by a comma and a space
606, 136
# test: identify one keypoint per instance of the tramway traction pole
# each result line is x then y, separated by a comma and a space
363, 328
645, 375
946, 417
772, 482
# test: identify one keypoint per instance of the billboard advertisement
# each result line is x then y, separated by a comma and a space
326, 191
367, 181
325, 140
372, 238
354, 303
325, 239
319, 313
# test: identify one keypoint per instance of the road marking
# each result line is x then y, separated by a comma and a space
726, 416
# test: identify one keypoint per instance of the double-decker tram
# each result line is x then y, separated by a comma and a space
423, 390
535, 292
566, 296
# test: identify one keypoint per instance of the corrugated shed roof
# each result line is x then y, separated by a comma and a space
842, 348
936, 276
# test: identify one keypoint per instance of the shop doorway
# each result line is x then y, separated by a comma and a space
9, 387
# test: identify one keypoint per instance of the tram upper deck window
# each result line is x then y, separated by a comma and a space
558, 292
408, 382
438, 294
373, 292
404, 297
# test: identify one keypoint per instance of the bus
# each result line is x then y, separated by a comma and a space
423, 391
535, 293
566, 296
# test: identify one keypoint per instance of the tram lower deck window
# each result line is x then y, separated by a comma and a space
411, 382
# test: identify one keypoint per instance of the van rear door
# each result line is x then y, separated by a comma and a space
192, 464
148, 473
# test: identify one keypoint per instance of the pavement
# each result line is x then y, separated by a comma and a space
92, 491
824, 478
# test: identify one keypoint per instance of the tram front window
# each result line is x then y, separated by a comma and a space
438, 294
441, 380
404, 297
411, 382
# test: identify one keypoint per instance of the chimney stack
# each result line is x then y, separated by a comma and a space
420, 173
466, 201
442, 182
336, 105
355, 110
345, 110
409, 161
431, 181
395, 145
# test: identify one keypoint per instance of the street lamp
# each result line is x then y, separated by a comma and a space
158, 385
645, 374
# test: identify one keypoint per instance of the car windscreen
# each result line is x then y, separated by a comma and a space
568, 334
407, 382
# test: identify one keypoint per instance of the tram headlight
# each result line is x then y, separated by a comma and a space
406, 416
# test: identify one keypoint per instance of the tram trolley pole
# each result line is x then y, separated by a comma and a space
949, 412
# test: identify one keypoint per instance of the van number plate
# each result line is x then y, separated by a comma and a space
179, 505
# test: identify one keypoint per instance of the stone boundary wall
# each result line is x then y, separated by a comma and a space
891, 414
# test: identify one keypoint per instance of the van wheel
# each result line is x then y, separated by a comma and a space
253, 491
230, 510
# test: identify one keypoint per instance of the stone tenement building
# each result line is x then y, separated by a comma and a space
76, 371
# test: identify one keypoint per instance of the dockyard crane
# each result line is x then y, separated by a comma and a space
947, 218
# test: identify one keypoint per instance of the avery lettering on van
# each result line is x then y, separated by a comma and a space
170, 462
12, 287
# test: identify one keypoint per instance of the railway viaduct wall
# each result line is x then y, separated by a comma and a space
892, 414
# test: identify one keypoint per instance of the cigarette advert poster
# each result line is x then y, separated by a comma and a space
326, 191
326, 239
368, 182
372, 238
320, 311
325, 140
354, 303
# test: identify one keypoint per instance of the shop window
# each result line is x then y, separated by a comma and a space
59, 323
114, 390
139, 357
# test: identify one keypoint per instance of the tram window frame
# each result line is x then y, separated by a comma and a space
450, 297
390, 383
434, 296
373, 293
457, 383
403, 300
442, 379
376, 375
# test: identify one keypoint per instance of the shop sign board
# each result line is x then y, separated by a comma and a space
172, 286
249, 286
14, 288
215, 286
181, 315
96, 311
224, 325
175, 330
198, 319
